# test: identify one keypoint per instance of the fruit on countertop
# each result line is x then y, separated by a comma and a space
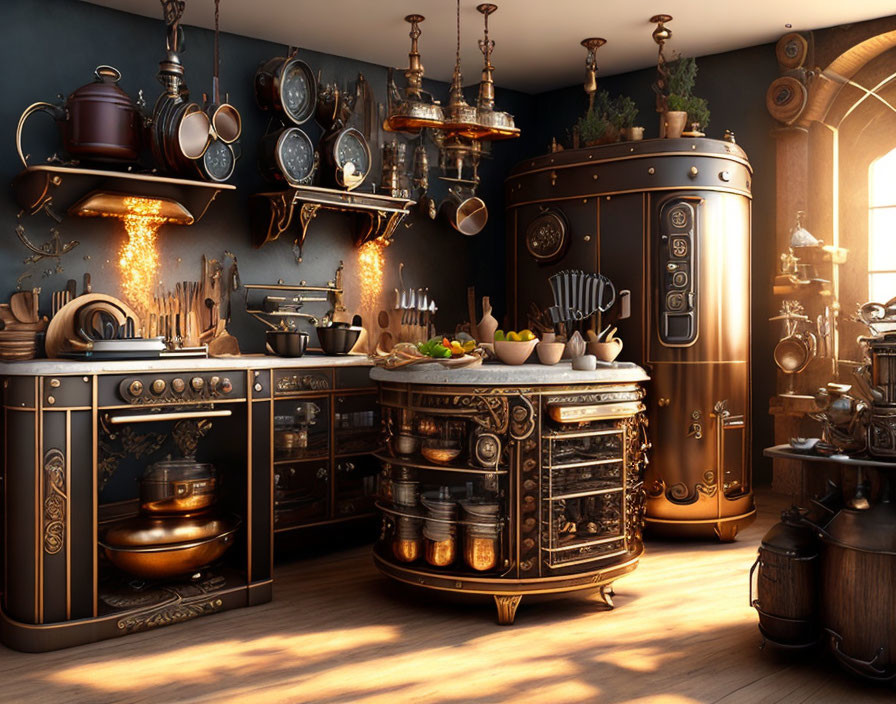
443, 348
513, 336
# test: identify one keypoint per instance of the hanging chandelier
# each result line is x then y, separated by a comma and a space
458, 119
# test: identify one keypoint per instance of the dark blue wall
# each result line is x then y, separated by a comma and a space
53, 46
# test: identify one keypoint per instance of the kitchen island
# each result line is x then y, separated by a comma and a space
511, 480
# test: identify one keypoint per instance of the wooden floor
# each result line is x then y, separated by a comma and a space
339, 632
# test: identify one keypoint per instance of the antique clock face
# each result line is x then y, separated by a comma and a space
218, 161
297, 91
349, 157
296, 157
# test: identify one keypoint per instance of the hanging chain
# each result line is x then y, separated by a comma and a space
217, 58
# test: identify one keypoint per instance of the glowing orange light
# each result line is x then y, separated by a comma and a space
371, 258
139, 259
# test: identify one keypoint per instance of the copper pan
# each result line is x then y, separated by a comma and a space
158, 548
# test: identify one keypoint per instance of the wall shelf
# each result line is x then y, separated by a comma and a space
64, 189
272, 214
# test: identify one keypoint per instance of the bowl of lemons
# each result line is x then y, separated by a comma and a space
514, 347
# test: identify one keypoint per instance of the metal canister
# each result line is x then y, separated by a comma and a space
786, 585
882, 351
178, 487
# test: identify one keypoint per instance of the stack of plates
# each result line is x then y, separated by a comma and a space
19, 327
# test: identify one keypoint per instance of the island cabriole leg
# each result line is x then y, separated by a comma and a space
607, 594
507, 605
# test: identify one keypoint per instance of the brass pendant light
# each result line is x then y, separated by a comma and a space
412, 113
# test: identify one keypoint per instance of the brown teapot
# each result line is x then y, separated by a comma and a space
98, 121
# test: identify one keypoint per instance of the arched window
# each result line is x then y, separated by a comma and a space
882, 228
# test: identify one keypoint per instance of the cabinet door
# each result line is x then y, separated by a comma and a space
356, 424
301, 429
355, 485
301, 493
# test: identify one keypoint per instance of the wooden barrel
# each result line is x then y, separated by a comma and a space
787, 583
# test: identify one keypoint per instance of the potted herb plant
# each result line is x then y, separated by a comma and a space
623, 112
683, 107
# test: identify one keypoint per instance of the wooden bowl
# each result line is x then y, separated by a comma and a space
514, 353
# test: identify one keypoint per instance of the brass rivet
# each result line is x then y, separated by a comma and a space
51, 400
584, 200
594, 176
608, 197
651, 171
587, 238
56, 180
54, 383
693, 172
258, 387
85, 379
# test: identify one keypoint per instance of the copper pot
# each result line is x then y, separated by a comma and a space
98, 121
178, 487
159, 548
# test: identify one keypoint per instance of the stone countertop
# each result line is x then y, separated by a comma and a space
36, 367
506, 375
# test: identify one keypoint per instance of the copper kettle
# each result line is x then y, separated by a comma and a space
98, 121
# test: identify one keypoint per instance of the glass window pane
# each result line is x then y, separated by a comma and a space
881, 287
882, 180
882, 239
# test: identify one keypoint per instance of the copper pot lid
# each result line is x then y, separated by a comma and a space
872, 530
104, 87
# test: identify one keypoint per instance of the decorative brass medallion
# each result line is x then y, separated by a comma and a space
547, 236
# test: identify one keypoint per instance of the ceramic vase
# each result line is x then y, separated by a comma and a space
488, 324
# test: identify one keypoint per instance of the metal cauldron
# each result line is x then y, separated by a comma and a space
98, 121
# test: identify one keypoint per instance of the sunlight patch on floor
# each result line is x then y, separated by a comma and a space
208, 662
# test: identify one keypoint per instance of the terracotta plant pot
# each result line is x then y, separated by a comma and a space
673, 123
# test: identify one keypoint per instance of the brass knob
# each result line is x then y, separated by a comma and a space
663, 402
178, 385
135, 388
213, 382
226, 386
158, 386
693, 172
197, 383
51, 400
54, 383
258, 387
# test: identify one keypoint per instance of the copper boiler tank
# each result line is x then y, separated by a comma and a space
668, 219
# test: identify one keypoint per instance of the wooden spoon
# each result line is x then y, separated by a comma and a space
21, 304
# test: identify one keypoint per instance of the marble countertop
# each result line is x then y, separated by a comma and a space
247, 361
505, 375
